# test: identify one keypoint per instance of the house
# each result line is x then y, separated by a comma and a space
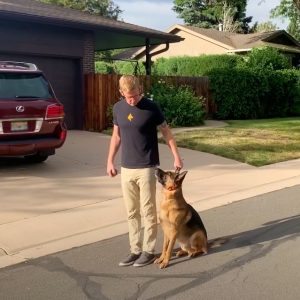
199, 41
62, 41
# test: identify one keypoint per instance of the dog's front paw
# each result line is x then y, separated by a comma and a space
159, 260
164, 264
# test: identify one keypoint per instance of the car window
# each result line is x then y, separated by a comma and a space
18, 86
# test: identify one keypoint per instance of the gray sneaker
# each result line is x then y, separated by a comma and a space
129, 260
145, 259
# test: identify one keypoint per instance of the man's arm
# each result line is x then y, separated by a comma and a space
169, 138
113, 149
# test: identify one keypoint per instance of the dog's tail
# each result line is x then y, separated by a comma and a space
217, 242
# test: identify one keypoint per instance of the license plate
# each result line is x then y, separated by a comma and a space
19, 126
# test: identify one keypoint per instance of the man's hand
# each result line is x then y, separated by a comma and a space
111, 170
115, 142
178, 163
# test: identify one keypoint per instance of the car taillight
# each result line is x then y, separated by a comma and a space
55, 111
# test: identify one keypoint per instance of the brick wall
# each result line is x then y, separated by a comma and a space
89, 56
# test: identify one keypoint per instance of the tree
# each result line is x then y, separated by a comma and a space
289, 9
105, 8
210, 13
227, 21
297, 4
264, 27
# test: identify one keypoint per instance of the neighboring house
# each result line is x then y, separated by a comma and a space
62, 41
199, 41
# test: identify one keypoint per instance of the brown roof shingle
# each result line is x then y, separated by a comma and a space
243, 41
220, 36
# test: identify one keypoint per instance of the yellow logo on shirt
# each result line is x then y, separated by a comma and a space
130, 117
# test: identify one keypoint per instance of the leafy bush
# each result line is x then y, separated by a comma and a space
281, 95
130, 68
120, 67
235, 93
179, 104
247, 93
194, 66
268, 58
295, 109
102, 67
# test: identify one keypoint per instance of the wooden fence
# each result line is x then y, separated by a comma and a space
102, 90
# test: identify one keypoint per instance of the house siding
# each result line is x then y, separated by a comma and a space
198, 41
192, 45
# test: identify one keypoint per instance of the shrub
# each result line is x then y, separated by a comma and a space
295, 107
179, 104
268, 58
129, 68
165, 67
246, 93
103, 67
120, 67
235, 93
281, 94
194, 66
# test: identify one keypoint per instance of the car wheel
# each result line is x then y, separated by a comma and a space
36, 158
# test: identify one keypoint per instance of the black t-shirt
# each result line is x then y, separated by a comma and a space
139, 145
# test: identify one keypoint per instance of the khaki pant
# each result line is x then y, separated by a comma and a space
139, 192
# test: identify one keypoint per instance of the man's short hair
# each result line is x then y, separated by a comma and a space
128, 83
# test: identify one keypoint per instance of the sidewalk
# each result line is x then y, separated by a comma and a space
69, 201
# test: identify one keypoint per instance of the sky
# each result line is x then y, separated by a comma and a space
158, 14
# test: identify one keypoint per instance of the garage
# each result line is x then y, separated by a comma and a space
63, 76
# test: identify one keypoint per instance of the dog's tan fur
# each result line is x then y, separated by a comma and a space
179, 220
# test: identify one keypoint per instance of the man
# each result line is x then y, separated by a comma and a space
136, 119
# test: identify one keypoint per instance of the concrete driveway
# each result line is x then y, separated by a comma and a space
69, 201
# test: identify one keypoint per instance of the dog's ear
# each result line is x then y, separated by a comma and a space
160, 176
180, 177
159, 173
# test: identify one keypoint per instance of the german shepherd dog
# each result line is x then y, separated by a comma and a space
179, 220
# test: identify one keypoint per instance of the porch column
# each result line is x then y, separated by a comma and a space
148, 58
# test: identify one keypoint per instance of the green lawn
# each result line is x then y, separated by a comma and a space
255, 142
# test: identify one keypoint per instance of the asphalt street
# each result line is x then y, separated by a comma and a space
259, 261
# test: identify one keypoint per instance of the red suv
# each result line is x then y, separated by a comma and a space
31, 118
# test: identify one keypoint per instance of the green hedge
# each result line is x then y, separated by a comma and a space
194, 66
268, 58
295, 111
102, 67
248, 93
120, 67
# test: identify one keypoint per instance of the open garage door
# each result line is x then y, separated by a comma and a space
63, 74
